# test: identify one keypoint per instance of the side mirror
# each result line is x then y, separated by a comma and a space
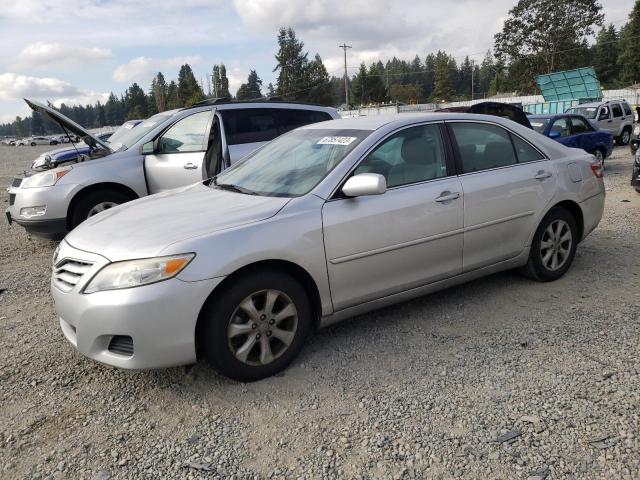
148, 148
365, 184
554, 134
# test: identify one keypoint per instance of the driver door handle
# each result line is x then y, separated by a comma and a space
542, 175
447, 196
190, 166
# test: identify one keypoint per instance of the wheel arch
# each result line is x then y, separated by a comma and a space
296, 271
575, 210
119, 187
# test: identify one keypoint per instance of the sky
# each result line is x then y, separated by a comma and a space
77, 51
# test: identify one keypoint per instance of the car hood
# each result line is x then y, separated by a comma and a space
59, 155
66, 123
145, 227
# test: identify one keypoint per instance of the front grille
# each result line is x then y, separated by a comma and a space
16, 182
12, 198
68, 272
122, 345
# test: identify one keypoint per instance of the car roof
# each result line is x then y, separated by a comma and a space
275, 103
374, 122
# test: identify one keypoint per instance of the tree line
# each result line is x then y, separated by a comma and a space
539, 36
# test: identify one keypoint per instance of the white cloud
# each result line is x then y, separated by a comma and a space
14, 86
43, 55
142, 69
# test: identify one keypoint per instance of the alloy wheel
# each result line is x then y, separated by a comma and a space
555, 245
625, 137
101, 207
262, 327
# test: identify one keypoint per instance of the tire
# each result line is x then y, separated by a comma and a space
223, 349
540, 267
91, 203
625, 137
33, 144
53, 142
599, 153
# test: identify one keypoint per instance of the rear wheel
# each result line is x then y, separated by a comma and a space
625, 137
255, 326
94, 203
33, 144
553, 247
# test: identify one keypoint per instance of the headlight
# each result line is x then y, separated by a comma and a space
134, 273
45, 179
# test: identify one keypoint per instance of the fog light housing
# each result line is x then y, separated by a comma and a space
30, 212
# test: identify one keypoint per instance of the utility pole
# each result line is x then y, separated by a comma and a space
472, 71
344, 46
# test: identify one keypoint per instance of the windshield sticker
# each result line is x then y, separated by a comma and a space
336, 140
147, 124
128, 127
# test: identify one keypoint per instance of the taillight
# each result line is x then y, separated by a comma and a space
596, 168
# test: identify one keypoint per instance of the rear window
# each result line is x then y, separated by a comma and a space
250, 125
291, 119
627, 108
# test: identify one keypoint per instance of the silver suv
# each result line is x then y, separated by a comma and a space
169, 150
613, 116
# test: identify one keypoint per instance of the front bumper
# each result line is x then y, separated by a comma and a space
160, 318
56, 199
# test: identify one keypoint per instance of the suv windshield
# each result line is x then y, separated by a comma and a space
291, 165
589, 112
132, 135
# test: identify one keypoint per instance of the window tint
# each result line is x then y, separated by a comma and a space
561, 126
579, 125
290, 119
524, 151
412, 155
250, 125
617, 111
483, 146
627, 109
187, 135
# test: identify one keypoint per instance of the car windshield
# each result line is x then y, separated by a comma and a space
589, 112
132, 135
121, 132
292, 164
539, 124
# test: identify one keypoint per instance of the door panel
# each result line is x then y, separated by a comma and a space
384, 244
178, 160
173, 170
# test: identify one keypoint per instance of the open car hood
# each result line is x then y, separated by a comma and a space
66, 123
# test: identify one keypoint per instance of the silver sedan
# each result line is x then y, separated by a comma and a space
326, 222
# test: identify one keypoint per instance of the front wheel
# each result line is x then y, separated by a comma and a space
599, 154
255, 327
94, 203
553, 247
33, 144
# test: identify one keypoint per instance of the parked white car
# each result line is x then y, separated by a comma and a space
326, 222
169, 150
33, 141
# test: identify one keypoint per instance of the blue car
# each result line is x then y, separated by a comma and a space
55, 158
574, 131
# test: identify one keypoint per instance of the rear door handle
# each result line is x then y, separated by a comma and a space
447, 196
542, 175
190, 166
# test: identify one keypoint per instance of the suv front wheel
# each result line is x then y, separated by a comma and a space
94, 203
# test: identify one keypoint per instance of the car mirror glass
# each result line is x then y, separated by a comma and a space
147, 148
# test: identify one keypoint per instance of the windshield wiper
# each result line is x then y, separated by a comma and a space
234, 188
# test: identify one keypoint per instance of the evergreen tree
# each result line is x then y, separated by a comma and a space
319, 84
37, 125
173, 98
251, 89
189, 90
215, 81
291, 65
630, 45
159, 92
224, 83
443, 88
136, 102
359, 86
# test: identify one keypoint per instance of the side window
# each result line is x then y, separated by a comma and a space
627, 109
524, 151
604, 113
187, 135
483, 146
294, 118
561, 126
617, 111
250, 125
412, 155
579, 125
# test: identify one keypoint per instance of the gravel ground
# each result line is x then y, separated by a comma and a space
500, 378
